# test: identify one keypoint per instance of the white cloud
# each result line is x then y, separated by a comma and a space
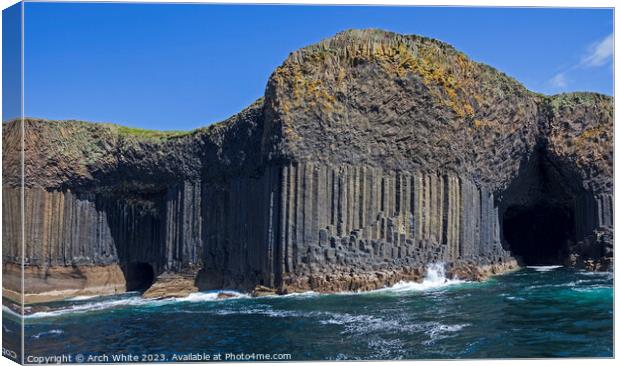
558, 81
600, 53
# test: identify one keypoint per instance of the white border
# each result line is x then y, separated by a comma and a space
480, 3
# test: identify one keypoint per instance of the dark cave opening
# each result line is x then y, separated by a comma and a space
139, 276
537, 211
538, 234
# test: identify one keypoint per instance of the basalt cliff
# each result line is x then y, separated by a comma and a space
371, 155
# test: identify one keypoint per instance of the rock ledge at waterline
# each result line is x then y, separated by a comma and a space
371, 155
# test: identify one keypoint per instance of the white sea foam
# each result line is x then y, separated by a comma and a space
435, 279
301, 294
133, 301
371, 326
595, 288
82, 298
393, 349
266, 310
304, 294
83, 308
361, 324
544, 268
567, 284
352, 323
51, 332
441, 331
605, 275
9, 310
211, 296
591, 273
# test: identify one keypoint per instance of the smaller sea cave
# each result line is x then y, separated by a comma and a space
538, 234
139, 276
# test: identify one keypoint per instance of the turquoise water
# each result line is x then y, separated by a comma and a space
534, 312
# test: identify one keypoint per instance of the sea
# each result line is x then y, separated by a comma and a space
535, 312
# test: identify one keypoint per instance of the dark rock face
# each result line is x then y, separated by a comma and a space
371, 155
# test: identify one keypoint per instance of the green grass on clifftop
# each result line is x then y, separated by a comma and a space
141, 132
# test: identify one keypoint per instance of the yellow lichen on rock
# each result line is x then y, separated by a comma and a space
448, 82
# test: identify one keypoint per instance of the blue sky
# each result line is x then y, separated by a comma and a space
184, 66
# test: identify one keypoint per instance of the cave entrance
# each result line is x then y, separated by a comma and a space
538, 234
139, 276
538, 212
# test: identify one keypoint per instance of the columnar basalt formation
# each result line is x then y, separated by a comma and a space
371, 155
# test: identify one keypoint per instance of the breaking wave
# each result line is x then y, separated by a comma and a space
133, 301
544, 268
435, 279
10, 311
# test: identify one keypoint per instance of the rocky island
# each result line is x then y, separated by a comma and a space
371, 155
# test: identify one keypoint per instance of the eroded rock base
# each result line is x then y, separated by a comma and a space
171, 285
594, 253
351, 281
108, 280
43, 284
